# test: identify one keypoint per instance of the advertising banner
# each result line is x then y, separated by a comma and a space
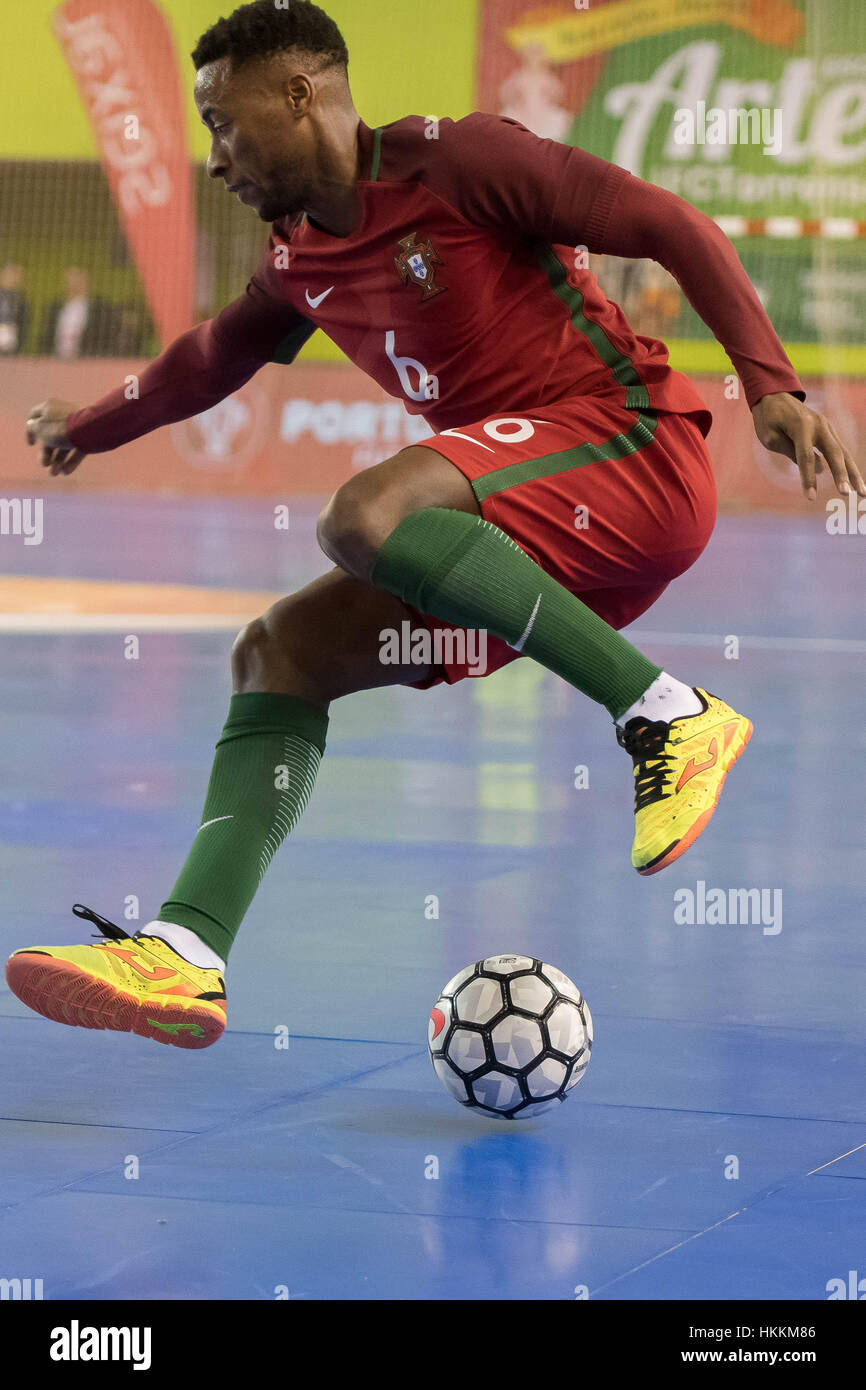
122, 55
752, 110
305, 429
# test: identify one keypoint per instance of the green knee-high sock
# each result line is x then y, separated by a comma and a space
466, 571
263, 774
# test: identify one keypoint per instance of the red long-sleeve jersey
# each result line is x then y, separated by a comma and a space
463, 292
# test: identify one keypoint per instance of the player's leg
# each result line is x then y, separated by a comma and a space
321, 643
413, 526
166, 982
287, 666
649, 490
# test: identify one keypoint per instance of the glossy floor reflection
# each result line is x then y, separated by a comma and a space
716, 1148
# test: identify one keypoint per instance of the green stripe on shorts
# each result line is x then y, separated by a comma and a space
621, 446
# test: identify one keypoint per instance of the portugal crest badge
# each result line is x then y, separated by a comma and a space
417, 263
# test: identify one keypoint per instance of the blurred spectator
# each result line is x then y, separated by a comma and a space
659, 304
620, 280
14, 310
535, 96
128, 335
78, 325
650, 298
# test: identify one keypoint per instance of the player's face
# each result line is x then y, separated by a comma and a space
262, 151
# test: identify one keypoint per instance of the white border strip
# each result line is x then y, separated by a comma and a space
781, 644
36, 623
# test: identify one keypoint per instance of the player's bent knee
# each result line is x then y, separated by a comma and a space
279, 651
345, 530
357, 521
249, 649
362, 513
272, 646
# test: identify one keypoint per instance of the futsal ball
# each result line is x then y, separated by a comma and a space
510, 1036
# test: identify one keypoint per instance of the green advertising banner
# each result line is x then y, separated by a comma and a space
753, 110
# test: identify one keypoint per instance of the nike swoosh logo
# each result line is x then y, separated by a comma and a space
692, 768
519, 644
314, 303
213, 822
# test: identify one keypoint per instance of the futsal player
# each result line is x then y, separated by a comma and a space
447, 261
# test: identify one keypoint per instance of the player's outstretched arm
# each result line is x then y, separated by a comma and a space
502, 175
197, 370
649, 221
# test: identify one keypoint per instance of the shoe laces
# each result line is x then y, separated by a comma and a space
645, 742
106, 928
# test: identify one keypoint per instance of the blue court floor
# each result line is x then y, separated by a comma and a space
717, 1146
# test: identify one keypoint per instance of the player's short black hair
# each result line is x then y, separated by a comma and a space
264, 28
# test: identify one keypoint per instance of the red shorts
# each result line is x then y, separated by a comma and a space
613, 503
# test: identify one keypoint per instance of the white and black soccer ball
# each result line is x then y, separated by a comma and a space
510, 1036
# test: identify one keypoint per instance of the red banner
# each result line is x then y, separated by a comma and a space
122, 56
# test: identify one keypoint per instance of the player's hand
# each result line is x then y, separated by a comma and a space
46, 425
787, 426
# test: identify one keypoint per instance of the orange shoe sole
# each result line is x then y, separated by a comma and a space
57, 990
732, 753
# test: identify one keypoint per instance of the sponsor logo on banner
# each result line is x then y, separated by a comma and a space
375, 429
228, 435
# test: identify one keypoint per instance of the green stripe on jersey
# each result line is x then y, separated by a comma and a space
377, 154
288, 348
620, 446
636, 394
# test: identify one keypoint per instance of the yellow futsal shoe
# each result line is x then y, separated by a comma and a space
679, 771
132, 984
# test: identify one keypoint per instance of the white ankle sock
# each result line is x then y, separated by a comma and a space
186, 943
666, 699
